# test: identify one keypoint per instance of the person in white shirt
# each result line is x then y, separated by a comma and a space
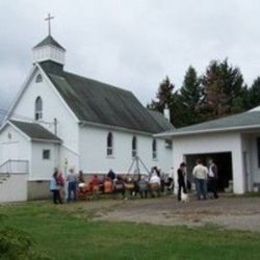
155, 179
213, 178
200, 173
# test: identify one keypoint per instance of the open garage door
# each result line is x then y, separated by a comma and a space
223, 162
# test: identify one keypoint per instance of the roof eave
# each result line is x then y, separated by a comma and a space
207, 131
46, 140
123, 129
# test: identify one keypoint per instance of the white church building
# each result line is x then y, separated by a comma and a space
64, 120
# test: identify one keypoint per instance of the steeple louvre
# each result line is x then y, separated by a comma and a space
49, 50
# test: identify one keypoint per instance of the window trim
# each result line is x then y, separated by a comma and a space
134, 147
38, 108
44, 154
110, 145
154, 150
38, 78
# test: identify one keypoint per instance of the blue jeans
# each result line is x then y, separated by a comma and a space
201, 187
72, 189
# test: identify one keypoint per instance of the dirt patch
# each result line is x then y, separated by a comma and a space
227, 212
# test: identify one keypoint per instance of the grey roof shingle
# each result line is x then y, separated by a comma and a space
97, 102
243, 120
161, 120
49, 40
35, 131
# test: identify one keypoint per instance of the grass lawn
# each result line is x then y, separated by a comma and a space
64, 235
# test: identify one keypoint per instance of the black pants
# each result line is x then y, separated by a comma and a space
182, 187
212, 187
56, 197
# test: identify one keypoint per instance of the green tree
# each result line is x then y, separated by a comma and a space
223, 90
254, 94
190, 96
163, 96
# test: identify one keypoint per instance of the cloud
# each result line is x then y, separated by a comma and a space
133, 44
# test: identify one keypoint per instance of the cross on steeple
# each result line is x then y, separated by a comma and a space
49, 18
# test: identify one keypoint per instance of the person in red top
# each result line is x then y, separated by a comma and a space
108, 185
61, 184
95, 183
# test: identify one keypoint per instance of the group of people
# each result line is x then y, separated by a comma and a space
74, 185
153, 184
58, 184
205, 179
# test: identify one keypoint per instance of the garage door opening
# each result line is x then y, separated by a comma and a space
223, 162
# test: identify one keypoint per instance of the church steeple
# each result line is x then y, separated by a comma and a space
49, 49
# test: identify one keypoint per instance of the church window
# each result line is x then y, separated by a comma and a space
110, 142
38, 78
134, 146
154, 149
38, 108
46, 154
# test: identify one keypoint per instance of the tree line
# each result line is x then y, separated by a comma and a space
219, 92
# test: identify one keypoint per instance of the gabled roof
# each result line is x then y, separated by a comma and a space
49, 40
161, 120
96, 102
35, 131
242, 121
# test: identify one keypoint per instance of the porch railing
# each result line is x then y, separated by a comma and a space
14, 167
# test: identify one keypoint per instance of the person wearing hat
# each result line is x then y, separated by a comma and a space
181, 180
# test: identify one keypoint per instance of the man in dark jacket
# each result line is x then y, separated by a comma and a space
181, 180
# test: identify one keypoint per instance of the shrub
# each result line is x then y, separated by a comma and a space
18, 245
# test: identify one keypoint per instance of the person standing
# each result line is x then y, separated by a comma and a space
55, 189
61, 184
200, 173
72, 185
213, 178
181, 180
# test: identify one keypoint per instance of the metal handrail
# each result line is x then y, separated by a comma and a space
12, 167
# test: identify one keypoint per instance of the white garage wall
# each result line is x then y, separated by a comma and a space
250, 146
93, 151
212, 143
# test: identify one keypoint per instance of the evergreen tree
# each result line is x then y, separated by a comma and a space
254, 94
166, 97
223, 90
163, 96
190, 96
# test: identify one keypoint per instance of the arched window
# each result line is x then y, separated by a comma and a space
38, 108
154, 148
38, 78
110, 144
134, 146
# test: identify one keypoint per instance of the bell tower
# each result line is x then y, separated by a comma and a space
49, 49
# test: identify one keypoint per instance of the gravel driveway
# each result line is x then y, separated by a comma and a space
241, 213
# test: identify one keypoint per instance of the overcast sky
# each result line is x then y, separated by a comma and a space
132, 44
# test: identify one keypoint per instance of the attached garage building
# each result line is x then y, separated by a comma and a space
233, 142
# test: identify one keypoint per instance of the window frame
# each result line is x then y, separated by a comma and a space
110, 145
38, 78
38, 108
44, 157
154, 149
134, 147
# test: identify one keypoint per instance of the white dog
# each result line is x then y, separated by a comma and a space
185, 197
